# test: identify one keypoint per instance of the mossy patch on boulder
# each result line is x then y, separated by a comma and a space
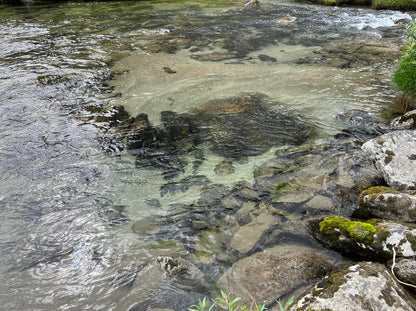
387, 203
358, 231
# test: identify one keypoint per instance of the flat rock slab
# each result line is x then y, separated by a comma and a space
362, 287
394, 155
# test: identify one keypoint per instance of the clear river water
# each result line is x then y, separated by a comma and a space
81, 216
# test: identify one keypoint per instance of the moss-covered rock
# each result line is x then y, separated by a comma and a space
356, 230
387, 203
362, 287
366, 240
394, 4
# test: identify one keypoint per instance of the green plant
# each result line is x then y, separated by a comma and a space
404, 77
286, 306
202, 306
226, 302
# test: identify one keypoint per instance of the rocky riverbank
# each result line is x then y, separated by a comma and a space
376, 4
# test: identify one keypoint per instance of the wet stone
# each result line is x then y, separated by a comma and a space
225, 167
184, 184
275, 272
213, 57
266, 58
175, 279
249, 235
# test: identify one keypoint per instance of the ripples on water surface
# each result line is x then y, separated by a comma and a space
77, 224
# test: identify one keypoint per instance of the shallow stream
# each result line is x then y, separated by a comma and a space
82, 217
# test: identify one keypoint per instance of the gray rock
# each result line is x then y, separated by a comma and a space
394, 155
362, 287
387, 203
275, 272
405, 122
405, 271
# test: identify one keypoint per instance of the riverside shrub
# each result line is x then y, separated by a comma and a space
404, 77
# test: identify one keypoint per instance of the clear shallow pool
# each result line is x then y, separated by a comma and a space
79, 224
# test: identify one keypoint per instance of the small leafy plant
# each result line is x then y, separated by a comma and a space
226, 302
286, 306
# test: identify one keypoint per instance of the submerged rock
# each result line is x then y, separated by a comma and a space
174, 279
275, 272
387, 203
365, 240
394, 155
246, 126
249, 235
365, 286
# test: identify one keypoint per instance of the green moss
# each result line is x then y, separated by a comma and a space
356, 230
281, 186
394, 4
373, 192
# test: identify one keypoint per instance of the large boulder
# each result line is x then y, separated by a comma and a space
369, 241
387, 203
394, 155
365, 286
275, 272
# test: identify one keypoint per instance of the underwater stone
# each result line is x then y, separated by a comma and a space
274, 272
175, 279
249, 235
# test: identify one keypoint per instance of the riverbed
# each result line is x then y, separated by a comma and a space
82, 216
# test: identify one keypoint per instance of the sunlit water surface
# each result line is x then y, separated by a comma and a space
76, 222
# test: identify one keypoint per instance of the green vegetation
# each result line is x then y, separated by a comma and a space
357, 230
229, 303
394, 4
404, 77
372, 192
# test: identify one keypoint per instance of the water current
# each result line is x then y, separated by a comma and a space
82, 218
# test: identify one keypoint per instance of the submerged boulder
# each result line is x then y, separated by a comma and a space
275, 272
387, 203
369, 241
247, 125
394, 155
175, 279
365, 286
